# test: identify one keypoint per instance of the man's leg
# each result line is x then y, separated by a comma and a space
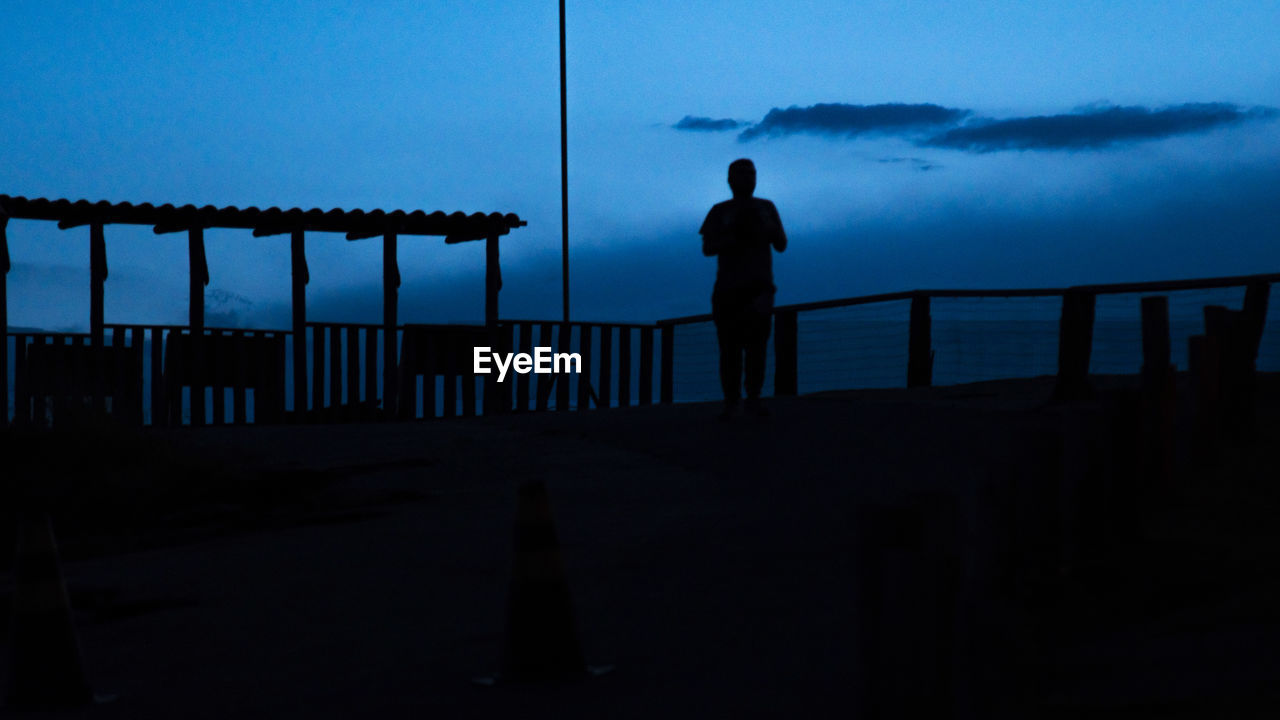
756, 345
728, 335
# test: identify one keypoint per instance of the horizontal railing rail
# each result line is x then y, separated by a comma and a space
907, 319
1102, 289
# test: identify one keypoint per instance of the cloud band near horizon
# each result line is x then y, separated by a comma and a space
929, 125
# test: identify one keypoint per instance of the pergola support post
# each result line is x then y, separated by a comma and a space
199, 275
300, 278
97, 325
497, 396
390, 299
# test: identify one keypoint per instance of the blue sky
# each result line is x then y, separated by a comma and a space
1085, 142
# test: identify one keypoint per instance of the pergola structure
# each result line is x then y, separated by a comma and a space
355, 224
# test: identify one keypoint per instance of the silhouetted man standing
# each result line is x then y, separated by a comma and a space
742, 233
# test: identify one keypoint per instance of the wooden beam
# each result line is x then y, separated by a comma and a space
169, 228
390, 300
300, 278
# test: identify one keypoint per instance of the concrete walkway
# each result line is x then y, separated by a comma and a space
709, 562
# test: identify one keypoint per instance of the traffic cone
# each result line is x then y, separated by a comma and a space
542, 637
46, 670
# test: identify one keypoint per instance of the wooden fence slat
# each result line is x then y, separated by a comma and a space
545, 382
450, 373
157, 377
371, 365
135, 376
522, 381
38, 392
624, 366
240, 351
217, 368
113, 377
51, 374
335, 369
199, 378
353, 372
646, 366
667, 372
430, 368
605, 364
468, 379
318, 333
584, 376
75, 384
271, 408
563, 383
411, 351
21, 395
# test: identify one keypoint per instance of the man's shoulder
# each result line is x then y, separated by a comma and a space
764, 203
715, 212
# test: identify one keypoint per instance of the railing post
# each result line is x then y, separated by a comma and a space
1203, 353
920, 344
666, 376
1233, 330
1158, 399
1075, 343
786, 379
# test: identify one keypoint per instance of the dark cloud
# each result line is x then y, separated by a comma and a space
1095, 127
850, 120
706, 124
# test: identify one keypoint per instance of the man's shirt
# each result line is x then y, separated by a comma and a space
742, 234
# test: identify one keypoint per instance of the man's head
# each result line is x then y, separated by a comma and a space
742, 178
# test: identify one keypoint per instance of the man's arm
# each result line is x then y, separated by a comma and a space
778, 237
712, 238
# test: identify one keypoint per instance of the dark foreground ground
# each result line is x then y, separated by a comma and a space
362, 571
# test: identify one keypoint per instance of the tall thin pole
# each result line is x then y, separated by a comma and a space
564, 177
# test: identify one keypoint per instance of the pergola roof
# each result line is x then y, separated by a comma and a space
357, 224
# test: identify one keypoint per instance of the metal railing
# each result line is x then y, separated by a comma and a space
161, 374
